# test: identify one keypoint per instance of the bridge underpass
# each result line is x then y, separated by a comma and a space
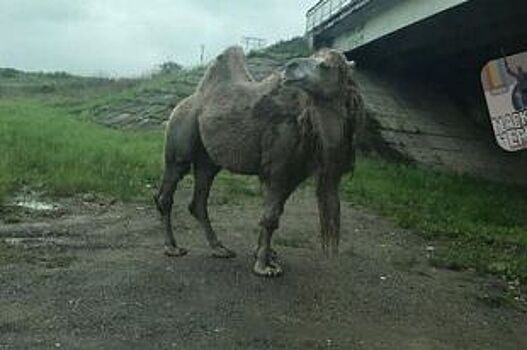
419, 65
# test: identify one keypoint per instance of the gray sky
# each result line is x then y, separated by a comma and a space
129, 37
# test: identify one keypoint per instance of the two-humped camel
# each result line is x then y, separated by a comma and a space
298, 122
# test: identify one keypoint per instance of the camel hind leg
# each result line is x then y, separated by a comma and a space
180, 146
164, 200
204, 173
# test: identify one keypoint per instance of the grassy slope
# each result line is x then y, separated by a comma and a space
477, 223
154, 97
480, 224
45, 148
15, 83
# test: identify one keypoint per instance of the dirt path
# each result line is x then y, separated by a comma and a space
105, 284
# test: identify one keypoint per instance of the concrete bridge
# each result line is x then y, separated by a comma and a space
419, 65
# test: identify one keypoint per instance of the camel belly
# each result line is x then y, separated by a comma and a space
232, 141
231, 128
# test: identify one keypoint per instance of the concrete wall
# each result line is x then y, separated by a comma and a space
411, 121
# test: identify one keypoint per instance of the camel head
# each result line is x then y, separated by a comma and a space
324, 74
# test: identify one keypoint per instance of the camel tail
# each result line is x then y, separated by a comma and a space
329, 236
329, 215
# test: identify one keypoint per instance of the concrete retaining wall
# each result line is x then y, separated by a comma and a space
418, 123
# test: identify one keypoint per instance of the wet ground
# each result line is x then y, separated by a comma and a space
93, 276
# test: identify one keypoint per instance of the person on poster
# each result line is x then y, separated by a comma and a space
519, 93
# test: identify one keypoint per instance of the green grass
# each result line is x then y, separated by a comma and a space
477, 224
44, 148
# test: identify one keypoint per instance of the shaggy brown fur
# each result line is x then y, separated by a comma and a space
296, 123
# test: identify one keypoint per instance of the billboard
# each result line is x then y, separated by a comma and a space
505, 84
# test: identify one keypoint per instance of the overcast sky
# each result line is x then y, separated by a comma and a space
129, 37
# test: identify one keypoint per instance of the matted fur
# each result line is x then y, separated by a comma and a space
281, 132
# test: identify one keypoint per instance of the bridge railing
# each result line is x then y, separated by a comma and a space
326, 12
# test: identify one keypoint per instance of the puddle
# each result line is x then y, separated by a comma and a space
38, 241
26, 202
35, 205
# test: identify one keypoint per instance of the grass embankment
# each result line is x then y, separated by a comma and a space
478, 224
44, 148
15, 83
152, 97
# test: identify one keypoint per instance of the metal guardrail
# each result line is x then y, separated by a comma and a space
326, 12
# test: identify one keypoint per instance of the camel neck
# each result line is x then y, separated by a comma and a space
326, 104
323, 101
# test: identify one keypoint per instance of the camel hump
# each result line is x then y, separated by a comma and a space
229, 67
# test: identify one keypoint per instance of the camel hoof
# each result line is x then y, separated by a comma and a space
272, 269
272, 255
221, 252
175, 252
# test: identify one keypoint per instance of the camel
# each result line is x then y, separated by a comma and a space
301, 121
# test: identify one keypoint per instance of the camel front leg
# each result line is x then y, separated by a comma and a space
274, 201
265, 264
